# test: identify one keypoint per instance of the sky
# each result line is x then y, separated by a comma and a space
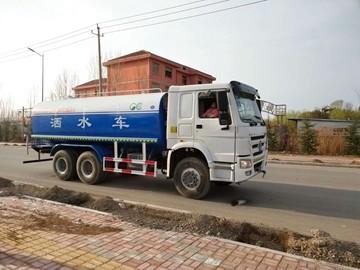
303, 53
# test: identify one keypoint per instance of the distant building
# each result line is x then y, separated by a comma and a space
89, 89
337, 127
144, 70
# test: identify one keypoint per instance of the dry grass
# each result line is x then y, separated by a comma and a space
330, 142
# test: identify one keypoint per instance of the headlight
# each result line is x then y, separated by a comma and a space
245, 163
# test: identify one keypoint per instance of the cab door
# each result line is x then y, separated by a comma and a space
218, 139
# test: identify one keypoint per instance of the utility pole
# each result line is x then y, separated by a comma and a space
99, 56
42, 72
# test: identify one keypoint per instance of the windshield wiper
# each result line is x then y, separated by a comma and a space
251, 121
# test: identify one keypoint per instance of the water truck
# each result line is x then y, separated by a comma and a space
196, 135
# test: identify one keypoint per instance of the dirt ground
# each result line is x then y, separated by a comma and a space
320, 245
56, 223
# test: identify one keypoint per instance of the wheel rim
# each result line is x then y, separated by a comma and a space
61, 165
87, 168
190, 179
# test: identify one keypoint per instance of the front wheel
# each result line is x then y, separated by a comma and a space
191, 178
89, 168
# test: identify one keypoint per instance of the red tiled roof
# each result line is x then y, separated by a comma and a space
90, 84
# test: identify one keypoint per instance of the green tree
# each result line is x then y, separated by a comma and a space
308, 138
353, 139
272, 138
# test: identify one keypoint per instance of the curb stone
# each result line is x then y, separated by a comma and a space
12, 144
325, 164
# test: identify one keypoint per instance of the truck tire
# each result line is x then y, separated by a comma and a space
64, 164
191, 178
89, 168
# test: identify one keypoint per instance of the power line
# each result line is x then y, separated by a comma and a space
186, 17
150, 12
37, 44
135, 27
63, 35
47, 50
44, 45
130, 22
63, 39
16, 58
68, 44
166, 14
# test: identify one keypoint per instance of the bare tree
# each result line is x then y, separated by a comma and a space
9, 129
32, 96
64, 84
337, 104
7, 112
357, 92
348, 106
93, 67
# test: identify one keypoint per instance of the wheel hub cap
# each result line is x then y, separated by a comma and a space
190, 178
61, 165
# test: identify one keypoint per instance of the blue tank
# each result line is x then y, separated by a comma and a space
126, 118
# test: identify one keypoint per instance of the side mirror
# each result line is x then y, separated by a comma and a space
224, 117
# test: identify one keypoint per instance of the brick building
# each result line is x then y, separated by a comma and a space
144, 70
89, 89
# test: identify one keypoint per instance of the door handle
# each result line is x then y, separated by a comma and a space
199, 126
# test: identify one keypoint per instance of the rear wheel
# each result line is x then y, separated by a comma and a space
89, 168
64, 164
191, 178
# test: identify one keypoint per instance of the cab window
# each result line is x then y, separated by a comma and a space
208, 107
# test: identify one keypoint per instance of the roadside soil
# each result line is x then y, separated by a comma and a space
320, 245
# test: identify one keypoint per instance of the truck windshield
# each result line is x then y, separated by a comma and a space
247, 108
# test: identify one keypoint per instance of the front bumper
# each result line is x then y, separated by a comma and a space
258, 165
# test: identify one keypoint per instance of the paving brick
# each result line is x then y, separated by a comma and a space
132, 248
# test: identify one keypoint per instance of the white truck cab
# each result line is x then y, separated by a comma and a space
215, 133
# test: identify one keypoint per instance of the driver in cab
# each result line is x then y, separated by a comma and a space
211, 112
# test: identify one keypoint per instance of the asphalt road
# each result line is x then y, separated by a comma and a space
295, 197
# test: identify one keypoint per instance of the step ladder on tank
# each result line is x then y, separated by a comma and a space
141, 166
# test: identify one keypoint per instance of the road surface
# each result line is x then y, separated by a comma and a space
295, 197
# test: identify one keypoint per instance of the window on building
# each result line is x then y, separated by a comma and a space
155, 68
168, 72
200, 82
184, 80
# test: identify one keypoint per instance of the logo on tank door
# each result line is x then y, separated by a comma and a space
135, 106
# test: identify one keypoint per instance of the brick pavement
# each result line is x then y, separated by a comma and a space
131, 248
